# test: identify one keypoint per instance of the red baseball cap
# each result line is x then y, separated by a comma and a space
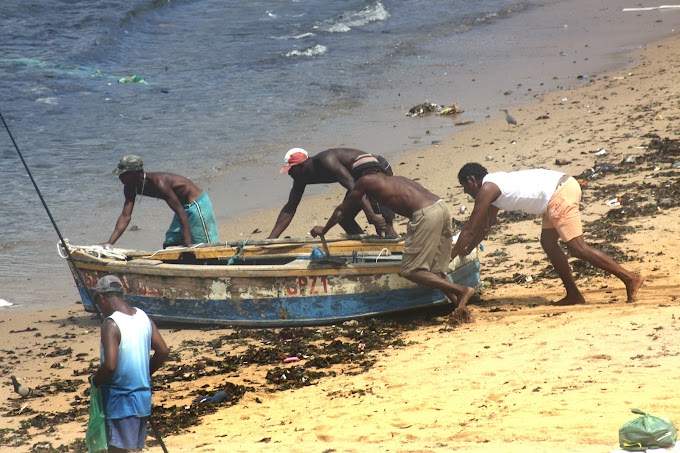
294, 157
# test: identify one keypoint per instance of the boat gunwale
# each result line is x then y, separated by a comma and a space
304, 267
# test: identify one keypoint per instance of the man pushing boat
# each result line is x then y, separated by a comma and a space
331, 165
427, 248
557, 198
194, 220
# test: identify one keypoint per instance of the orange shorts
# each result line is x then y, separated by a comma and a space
563, 211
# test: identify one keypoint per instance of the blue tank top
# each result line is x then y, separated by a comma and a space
128, 393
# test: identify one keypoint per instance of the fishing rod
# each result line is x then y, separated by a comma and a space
54, 224
68, 252
157, 435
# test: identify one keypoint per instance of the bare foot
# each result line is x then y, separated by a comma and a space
633, 287
391, 233
463, 300
568, 301
459, 316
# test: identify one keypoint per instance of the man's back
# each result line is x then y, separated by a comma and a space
161, 182
331, 165
524, 190
402, 195
345, 156
128, 393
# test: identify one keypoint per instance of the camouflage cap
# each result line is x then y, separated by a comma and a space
129, 163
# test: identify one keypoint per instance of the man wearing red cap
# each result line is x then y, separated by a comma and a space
332, 165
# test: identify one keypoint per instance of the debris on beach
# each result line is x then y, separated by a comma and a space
428, 107
204, 376
452, 109
422, 109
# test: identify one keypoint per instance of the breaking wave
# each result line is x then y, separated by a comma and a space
310, 52
343, 24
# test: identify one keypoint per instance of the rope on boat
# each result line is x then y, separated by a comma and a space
97, 251
380, 254
238, 250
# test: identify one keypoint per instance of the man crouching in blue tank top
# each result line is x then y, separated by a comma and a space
127, 338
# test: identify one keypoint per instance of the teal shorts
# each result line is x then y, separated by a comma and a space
201, 221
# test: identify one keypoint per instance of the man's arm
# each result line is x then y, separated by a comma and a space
160, 350
124, 217
352, 200
482, 217
345, 179
288, 211
110, 338
477, 236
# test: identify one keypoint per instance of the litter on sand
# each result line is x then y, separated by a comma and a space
650, 8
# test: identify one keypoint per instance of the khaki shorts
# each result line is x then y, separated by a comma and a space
428, 241
563, 213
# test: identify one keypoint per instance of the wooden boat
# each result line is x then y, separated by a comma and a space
265, 283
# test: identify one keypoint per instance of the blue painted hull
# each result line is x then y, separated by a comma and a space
297, 294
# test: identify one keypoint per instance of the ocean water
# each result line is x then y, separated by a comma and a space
228, 88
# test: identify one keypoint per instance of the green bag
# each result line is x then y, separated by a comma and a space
647, 432
95, 436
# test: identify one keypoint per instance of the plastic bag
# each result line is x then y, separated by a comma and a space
647, 432
95, 436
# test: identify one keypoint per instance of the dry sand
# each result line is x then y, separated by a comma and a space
524, 377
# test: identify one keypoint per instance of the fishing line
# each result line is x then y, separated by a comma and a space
54, 224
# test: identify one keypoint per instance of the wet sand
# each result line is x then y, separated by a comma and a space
525, 376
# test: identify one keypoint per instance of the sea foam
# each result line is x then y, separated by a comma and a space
310, 52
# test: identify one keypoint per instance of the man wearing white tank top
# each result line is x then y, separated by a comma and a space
554, 195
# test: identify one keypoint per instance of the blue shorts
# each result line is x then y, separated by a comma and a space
201, 222
128, 433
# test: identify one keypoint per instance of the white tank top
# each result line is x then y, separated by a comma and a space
524, 190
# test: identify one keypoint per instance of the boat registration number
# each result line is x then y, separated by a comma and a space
91, 279
307, 285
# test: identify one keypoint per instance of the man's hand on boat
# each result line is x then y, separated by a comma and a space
379, 222
316, 231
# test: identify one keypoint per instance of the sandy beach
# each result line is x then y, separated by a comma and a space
523, 377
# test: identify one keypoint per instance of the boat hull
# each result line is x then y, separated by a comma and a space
298, 293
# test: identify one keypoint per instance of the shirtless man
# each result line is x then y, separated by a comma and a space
555, 195
194, 221
332, 165
427, 248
